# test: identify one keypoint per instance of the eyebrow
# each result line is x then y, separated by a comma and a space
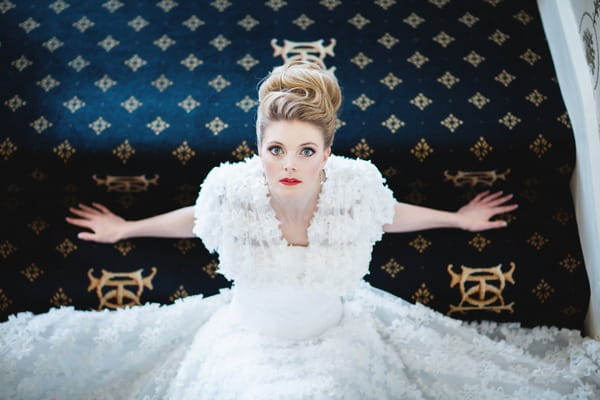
303, 144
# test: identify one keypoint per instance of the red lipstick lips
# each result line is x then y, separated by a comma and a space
290, 181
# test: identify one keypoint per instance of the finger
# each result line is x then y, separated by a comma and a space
85, 236
501, 200
498, 224
505, 209
492, 197
101, 207
89, 209
480, 195
78, 222
81, 213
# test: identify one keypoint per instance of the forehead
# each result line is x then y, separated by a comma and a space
292, 133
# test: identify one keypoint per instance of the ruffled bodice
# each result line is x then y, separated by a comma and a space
233, 217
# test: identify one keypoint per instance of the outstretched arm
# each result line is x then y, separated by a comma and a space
108, 227
474, 216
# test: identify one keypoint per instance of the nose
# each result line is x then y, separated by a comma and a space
289, 165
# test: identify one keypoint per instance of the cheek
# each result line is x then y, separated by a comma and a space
270, 166
314, 166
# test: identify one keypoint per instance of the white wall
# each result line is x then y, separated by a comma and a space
573, 29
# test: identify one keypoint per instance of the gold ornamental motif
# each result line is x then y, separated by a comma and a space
499, 37
242, 151
469, 19
562, 217
473, 178
537, 241
363, 102
124, 247
505, 78
361, 60
220, 5
211, 268
530, 57
184, 245
330, 4
413, 20
448, 80
392, 267
275, 4
540, 146
421, 150
421, 101
124, 151
7, 148
303, 21
362, 150
564, 119
66, 247
570, 263
114, 298
391, 81
5, 302
32, 272
248, 22
180, 293
64, 151
481, 295
387, 40
310, 51
480, 242
443, 39
393, 123
451, 122
38, 225
60, 299
569, 311
126, 184
439, 3
184, 153
542, 290
420, 243
220, 42
523, 17
417, 59
481, 148
384, 4
422, 295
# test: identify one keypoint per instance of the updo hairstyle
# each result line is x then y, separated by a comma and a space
302, 91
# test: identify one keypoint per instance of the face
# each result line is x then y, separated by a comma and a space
293, 155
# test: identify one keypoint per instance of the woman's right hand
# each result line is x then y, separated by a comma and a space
107, 227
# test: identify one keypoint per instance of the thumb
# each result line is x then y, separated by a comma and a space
85, 236
499, 224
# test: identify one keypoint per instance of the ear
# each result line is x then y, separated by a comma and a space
326, 154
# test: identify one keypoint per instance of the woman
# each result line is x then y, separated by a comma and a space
294, 228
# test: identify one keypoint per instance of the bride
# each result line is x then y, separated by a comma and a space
294, 228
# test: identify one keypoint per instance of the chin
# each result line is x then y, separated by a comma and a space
288, 191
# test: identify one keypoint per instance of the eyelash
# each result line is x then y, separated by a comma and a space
301, 152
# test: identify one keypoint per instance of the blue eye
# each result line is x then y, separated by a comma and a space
275, 150
307, 152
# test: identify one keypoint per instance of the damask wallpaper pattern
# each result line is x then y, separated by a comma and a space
131, 103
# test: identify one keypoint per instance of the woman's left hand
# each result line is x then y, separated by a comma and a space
477, 213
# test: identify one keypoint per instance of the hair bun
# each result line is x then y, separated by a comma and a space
300, 90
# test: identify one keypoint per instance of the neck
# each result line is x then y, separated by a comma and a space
298, 209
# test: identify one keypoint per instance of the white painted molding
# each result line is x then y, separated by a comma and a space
573, 74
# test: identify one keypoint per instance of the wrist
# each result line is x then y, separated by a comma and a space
460, 221
126, 230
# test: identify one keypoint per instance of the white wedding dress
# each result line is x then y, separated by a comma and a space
299, 322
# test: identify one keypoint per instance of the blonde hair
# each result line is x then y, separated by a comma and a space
302, 91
